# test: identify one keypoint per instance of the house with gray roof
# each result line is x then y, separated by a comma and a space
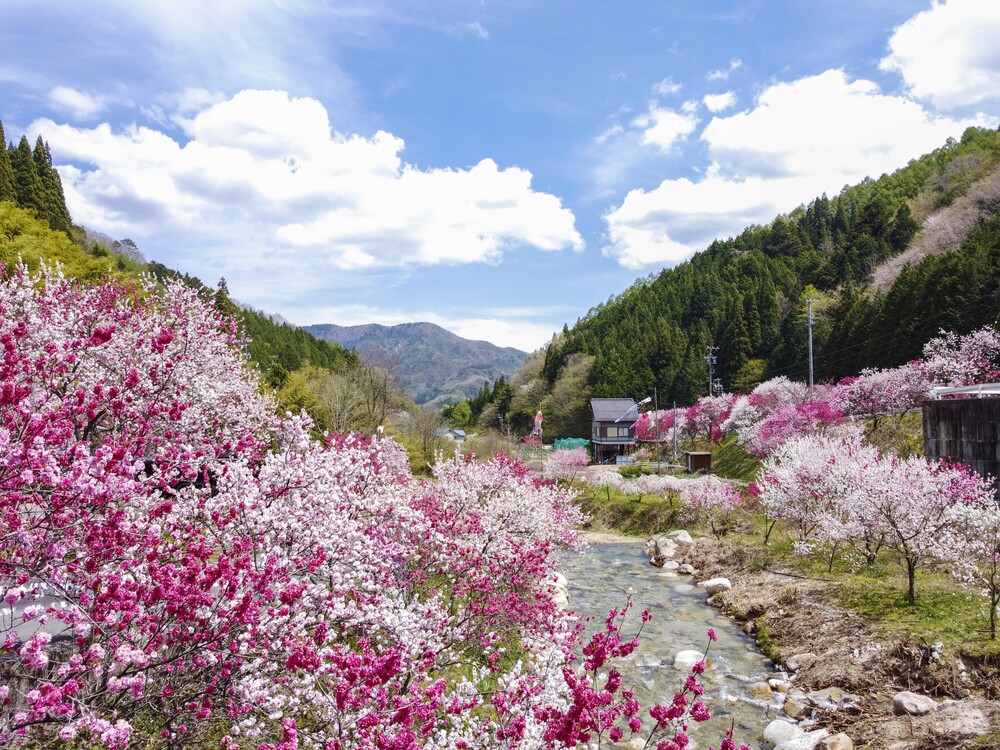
611, 431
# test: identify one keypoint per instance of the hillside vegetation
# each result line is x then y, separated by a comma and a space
888, 262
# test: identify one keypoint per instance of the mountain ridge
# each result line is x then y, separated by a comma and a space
434, 365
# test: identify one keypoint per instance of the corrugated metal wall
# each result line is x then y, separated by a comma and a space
965, 430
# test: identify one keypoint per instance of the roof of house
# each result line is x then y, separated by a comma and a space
614, 409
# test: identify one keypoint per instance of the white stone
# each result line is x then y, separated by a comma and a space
681, 536
671, 565
797, 662
806, 741
715, 585
686, 569
779, 731
684, 660
912, 703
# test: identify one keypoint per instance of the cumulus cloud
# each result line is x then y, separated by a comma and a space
949, 54
662, 127
719, 102
265, 160
77, 104
801, 138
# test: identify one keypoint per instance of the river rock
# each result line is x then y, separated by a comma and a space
686, 569
801, 661
912, 703
684, 660
715, 585
779, 686
671, 565
664, 547
796, 707
681, 536
807, 741
836, 742
779, 731
759, 690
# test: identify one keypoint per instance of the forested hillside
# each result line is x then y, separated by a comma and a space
748, 295
433, 365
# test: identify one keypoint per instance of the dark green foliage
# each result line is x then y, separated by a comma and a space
747, 294
52, 197
28, 179
7, 190
27, 186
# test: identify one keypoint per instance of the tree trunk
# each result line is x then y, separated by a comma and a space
911, 574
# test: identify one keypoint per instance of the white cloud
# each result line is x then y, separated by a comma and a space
266, 161
723, 74
666, 87
77, 104
949, 54
662, 127
719, 102
802, 138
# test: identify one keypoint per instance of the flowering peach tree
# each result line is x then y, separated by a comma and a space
179, 568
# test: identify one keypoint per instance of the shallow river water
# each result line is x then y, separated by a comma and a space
599, 579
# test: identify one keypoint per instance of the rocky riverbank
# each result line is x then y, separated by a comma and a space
837, 684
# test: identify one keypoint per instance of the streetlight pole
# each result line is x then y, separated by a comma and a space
809, 305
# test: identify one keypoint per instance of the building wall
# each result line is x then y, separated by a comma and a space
965, 430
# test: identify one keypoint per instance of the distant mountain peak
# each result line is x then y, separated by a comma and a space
433, 364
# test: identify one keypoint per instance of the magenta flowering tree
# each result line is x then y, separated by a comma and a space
789, 421
706, 416
878, 392
180, 569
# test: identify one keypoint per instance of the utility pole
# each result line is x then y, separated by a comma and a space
718, 386
809, 306
711, 359
656, 429
675, 432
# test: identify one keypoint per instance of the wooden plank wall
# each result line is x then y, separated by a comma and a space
965, 430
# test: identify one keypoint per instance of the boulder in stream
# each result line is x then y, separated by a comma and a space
684, 660
806, 741
681, 536
913, 704
715, 585
779, 731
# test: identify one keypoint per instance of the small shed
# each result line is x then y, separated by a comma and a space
698, 461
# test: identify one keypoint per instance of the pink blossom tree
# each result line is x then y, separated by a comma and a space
716, 498
954, 360
566, 464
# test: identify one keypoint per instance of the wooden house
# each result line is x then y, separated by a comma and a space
611, 431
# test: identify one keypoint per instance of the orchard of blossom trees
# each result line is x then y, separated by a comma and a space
836, 491
180, 568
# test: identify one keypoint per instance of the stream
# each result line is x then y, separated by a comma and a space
599, 579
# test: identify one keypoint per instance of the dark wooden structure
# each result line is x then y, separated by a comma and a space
611, 430
698, 461
964, 430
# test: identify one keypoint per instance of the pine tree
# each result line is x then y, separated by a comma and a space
8, 191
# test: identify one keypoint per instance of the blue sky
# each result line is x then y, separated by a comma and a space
497, 168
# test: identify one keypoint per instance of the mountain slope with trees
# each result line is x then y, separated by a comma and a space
748, 295
433, 365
